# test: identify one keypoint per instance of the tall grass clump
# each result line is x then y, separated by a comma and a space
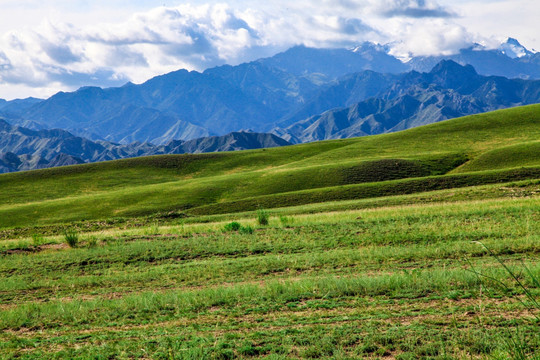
286, 221
92, 242
38, 239
246, 230
516, 345
71, 237
232, 226
236, 226
263, 218
531, 303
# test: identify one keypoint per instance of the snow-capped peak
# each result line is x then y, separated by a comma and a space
370, 46
513, 49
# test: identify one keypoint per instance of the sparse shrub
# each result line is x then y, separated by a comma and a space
236, 226
246, 230
262, 217
38, 239
71, 237
285, 220
233, 226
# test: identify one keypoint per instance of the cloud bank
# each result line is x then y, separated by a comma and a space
54, 56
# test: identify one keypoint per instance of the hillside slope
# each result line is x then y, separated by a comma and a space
413, 161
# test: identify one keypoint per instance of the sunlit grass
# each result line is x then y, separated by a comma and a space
407, 162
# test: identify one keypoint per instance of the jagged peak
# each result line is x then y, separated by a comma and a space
367, 45
513, 41
445, 66
514, 49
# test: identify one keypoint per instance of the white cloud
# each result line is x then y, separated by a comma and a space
496, 20
432, 36
58, 55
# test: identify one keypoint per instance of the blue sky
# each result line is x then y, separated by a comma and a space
52, 45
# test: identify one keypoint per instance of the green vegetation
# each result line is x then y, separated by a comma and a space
38, 239
355, 283
233, 226
415, 245
200, 183
520, 155
71, 237
263, 218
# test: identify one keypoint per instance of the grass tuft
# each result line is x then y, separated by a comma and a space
246, 230
38, 240
71, 238
286, 221
263, 218
232, 226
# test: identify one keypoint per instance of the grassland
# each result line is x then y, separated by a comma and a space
386, 282
192, 183
386, 247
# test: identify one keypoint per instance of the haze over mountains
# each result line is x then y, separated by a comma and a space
302, 95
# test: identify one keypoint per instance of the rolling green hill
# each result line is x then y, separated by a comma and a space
437, 156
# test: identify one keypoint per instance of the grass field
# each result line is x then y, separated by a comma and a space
421, 244
394, 282
197, 183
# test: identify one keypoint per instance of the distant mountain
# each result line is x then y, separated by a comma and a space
448, 91
347, 91
335, 63
271, 93
25, 149
275, 89
231, 142
513, 49
511, 60
16, 108
185, 105
45, 143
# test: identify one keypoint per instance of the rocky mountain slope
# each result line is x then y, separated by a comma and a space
25, 149
448, 91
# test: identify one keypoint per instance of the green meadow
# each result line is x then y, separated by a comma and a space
421, 244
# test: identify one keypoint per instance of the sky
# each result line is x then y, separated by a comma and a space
48, 46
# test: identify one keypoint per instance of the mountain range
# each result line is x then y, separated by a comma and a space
412, 99
301, 95
511, 60
26, 149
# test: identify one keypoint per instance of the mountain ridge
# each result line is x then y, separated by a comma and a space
26, 149
302, 94
449, 90
259, 95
